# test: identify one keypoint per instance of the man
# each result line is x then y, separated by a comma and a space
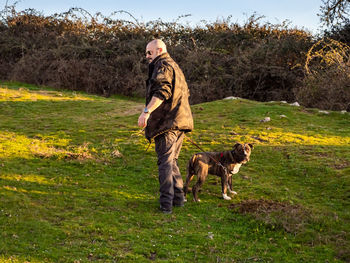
166, 118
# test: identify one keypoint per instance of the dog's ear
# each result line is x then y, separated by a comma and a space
251, 146
236, 145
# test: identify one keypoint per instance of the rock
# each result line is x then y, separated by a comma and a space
295, 104
283, 116
266, 119
231, 98
323, 111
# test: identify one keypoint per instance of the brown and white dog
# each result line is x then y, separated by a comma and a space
202, 164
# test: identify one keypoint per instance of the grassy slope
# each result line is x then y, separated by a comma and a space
76, 184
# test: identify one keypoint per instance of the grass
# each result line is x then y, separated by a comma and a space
77, 185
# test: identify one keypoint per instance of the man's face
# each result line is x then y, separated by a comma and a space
152, 52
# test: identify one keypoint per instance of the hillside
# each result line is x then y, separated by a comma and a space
77, 184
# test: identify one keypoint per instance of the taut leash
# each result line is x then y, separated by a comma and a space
195, 144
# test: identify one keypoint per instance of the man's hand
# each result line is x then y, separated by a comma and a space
154, 104
143, 119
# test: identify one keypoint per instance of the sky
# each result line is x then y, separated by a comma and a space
301, 13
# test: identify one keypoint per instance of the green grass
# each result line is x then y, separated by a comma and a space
77, 185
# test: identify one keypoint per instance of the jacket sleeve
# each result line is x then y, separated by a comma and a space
162, 82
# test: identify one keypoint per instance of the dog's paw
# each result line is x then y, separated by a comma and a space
226, 197
232, 192
198, 200
185, 200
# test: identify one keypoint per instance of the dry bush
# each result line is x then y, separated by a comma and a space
327, 84
260, 62
339, 33
103, 55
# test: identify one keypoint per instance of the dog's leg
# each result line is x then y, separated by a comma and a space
188, 180
230, 186
202, 175
224, 184
195, 190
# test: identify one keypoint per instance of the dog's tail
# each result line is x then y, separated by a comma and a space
190, 173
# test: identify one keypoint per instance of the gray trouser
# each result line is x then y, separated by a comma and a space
168, 146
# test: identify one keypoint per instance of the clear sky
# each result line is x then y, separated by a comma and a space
301, 13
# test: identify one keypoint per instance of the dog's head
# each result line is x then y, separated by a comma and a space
241, 152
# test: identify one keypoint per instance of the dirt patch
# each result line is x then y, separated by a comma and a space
277, 215
341, 165
344, 254
263, 206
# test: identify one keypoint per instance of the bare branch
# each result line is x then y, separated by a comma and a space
335, 12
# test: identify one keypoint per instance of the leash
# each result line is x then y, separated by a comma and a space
195, 144
216, 161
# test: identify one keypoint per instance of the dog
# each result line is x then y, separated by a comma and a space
223, 164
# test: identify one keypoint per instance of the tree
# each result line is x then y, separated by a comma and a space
335, 12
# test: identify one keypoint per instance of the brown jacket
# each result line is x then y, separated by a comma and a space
166, 81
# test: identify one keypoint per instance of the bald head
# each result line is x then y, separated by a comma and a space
155, 48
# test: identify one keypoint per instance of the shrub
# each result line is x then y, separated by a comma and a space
327, 83
101, 55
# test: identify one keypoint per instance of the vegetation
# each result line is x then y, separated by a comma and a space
335, 12
327, 82
105, 55
77, 185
